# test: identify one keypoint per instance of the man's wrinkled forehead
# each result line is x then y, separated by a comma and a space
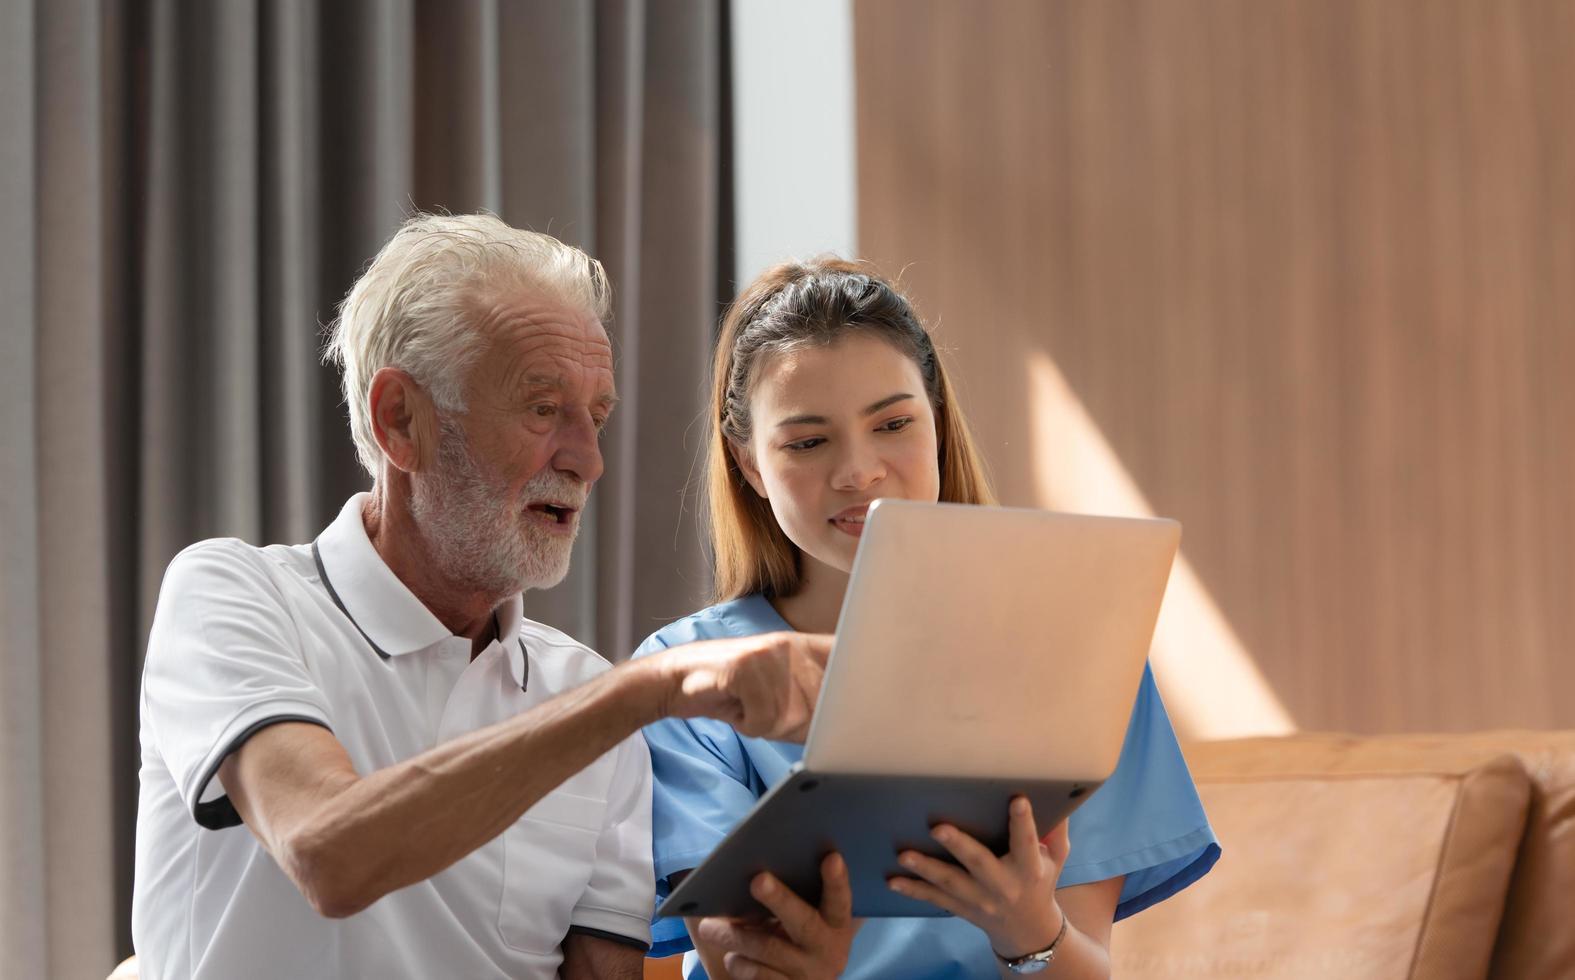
557, 334
545, 345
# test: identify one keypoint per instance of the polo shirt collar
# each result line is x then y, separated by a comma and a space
511, 616
386, 612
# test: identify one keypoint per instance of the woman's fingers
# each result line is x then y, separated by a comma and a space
799, 919
1059, 843
926, 892
1012, 898
802, 940
1023, 834
949, 878
981, 863
836, 892
752, 943
741, 967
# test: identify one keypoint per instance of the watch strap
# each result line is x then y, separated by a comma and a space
1034, 962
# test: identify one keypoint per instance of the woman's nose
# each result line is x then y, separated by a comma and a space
858, 469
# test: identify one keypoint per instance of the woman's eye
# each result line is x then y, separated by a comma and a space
804, 444
896, 425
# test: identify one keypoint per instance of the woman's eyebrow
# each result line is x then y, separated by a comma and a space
886, 402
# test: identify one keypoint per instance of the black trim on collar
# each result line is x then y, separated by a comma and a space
611, 937
322, 573
524, 664
221, 813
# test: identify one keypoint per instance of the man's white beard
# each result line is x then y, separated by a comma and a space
474, 533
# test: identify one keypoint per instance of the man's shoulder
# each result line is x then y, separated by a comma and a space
745, 616
577, 661
234, 558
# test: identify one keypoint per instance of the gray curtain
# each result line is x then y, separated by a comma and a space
187, 189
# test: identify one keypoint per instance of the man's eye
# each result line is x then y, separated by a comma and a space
546, 410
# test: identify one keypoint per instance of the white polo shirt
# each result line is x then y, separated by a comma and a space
325, 633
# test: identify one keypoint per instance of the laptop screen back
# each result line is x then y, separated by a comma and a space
990, 642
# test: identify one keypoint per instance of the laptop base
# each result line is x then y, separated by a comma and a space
869, 820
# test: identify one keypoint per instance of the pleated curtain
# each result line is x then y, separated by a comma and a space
187, 189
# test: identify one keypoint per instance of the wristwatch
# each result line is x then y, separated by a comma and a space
1034, 962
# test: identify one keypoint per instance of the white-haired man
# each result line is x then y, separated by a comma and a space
358, 758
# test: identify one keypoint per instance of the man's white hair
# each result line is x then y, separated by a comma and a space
414, 308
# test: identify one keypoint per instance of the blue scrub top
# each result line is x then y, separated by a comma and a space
1146, 822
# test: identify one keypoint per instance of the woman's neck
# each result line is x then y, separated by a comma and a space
817, 603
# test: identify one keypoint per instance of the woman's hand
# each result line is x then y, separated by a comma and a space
1012, 898
801, 942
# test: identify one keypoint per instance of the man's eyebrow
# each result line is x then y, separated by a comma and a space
556, 382
537, 382
884, 403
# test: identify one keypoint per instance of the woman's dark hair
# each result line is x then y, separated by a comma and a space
789, 307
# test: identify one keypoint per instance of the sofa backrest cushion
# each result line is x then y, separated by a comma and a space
1342, 857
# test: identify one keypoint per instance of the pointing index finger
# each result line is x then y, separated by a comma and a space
817, 646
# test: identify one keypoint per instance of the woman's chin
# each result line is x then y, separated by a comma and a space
838, 555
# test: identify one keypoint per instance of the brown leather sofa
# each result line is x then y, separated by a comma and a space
1430, 857
1424, 857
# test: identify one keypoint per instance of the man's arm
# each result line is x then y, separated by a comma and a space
587, 957
346, 840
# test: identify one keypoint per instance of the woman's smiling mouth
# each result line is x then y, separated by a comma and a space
851, 520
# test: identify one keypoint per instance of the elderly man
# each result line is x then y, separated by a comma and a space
359, 759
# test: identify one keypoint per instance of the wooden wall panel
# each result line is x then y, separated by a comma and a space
1310, 266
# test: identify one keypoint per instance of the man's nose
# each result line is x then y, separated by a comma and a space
579, 450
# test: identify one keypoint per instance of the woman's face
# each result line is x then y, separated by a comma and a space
834, 428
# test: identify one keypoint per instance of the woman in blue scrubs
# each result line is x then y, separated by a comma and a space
828, 394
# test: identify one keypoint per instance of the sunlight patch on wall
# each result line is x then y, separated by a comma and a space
1211, 685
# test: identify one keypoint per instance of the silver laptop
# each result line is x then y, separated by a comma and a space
981, 653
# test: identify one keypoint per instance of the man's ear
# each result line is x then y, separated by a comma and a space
403, 420
746, 465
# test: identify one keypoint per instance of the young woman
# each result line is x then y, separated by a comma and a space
827, 394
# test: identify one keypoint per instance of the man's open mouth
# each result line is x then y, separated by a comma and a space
560, 513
